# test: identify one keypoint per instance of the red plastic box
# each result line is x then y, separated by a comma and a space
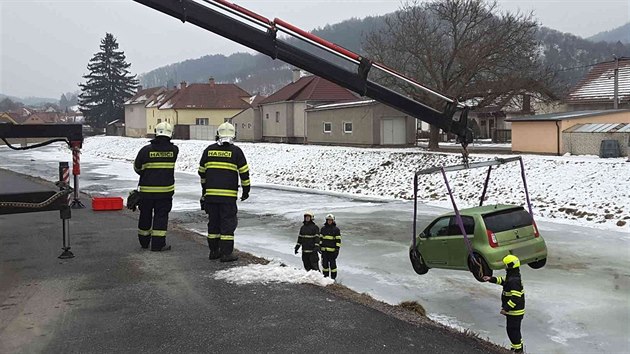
102, 203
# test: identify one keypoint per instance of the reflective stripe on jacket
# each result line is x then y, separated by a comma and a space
220, 168
309, 237
155, 163
330, 241
513, 295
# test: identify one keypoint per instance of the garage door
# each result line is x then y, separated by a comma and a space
393, 131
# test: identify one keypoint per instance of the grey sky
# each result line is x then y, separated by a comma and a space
45, 45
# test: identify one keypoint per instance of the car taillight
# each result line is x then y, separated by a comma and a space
536, 233
492, 239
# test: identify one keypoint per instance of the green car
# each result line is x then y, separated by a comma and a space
494, 231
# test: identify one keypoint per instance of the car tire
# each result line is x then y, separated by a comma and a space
417, 262
538, 264
474, 267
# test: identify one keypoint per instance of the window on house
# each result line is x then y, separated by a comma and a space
347, 127
202, 121
327, 127
243, 125
153, 113
266, 115
249, 126
277, 117
159, 121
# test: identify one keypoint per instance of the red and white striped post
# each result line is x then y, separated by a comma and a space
65, 211
76, 171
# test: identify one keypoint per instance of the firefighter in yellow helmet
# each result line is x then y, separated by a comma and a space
221, 165
512, 300
155, 164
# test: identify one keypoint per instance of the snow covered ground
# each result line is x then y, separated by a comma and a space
583, 190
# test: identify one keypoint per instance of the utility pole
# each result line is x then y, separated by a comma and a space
616, 89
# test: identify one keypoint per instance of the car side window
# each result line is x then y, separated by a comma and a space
439, 228
469, 226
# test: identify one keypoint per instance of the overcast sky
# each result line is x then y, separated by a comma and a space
45, 45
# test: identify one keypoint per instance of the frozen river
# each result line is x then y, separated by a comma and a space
578, 303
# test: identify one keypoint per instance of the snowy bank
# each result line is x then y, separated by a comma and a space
584, 190
273, 272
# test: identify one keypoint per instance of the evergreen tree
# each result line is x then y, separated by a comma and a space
63, 101
108, 85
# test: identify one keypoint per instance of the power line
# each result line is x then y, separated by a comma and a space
591, 65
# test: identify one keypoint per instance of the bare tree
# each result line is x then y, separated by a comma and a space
463, 48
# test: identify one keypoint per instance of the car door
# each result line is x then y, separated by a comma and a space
433, 246
456, 244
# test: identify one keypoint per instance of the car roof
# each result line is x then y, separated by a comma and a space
485, 209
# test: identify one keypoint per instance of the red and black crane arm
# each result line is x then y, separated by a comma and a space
261, 34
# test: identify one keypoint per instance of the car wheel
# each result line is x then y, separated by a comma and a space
538, 264
417, 262
480, 268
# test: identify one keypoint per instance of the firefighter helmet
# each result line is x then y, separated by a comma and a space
226, 133
309, 213
164, 129
511, 261
330, 217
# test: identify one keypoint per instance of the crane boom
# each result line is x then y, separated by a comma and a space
261, 34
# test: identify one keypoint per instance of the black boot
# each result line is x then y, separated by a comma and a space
214, 255
229, 257
164, 248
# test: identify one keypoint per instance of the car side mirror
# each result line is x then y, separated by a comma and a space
422, 235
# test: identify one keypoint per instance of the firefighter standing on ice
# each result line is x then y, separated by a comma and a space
512, 300
220, 167
330, 242
155, 164
309, 241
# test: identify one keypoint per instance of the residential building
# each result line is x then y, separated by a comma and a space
544, 133
596, 91
136, 111
359, 123
197, 108
248, 123
43, 118
283, 112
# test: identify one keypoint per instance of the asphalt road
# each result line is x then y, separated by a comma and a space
115, 297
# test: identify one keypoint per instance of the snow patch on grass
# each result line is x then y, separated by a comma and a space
582, 190
273, 272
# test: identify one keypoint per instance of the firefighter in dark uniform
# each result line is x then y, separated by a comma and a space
220, 167
512, 300
155, 164
308, 239
330, 242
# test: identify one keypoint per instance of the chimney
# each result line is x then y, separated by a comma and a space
527, 103
296, 74
182, 84
211, 81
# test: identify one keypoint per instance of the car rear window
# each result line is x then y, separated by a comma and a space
507, 220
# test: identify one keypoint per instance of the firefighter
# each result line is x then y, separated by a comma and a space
308, 239
330, 242
512, 300
220, 167
155, 164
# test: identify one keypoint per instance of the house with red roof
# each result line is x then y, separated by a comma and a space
196, 109
284, 112
136, 111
